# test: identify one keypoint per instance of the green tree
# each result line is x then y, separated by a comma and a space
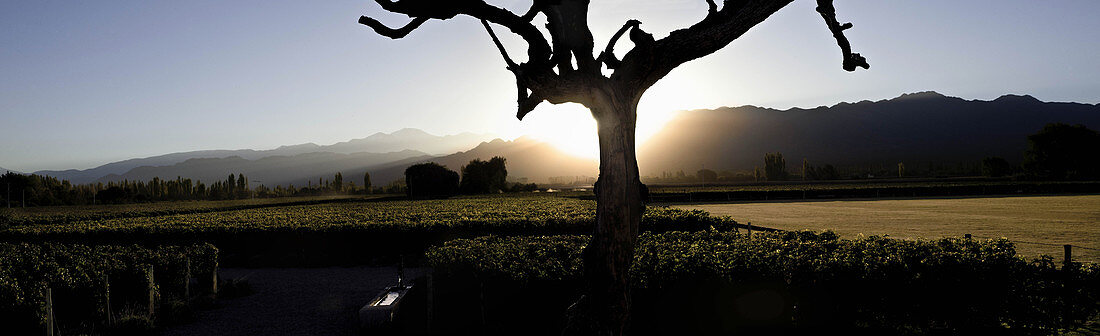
775, 167
1063, 152
482, 177
338, 182
242, 182
366, 182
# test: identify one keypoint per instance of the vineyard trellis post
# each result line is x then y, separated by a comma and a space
1068, 257
1067, 287
49, 312
152, 290
107, 299
214, 279
187, 279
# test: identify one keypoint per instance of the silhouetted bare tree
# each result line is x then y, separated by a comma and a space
549, 75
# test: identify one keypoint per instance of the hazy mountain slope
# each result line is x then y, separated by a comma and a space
918, 127
405, 139
526, 158
5, 171
410, 138
273, 170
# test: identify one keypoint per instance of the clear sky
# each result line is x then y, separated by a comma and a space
84, 83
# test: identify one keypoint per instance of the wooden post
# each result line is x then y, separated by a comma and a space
1069, 256
152, 290
107, 294
967, 236
750, 230
1067, 289
187, 279
49, 312
214, 277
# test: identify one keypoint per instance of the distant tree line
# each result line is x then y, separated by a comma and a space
1057, 152
18, 190
432, 180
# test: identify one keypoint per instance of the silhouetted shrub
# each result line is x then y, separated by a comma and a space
1063, 152
995, 167
430, 180
522, 187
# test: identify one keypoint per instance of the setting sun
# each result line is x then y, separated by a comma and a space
571, 128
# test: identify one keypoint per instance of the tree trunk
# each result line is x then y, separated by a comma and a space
619, 207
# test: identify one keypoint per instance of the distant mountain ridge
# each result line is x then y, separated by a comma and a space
526, 158
299, 170
398, 141
5, 171
913, 128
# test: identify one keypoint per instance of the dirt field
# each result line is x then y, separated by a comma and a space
1031, 221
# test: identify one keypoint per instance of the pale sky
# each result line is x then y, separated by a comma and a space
83, 83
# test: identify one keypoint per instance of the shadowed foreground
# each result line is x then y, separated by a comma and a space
294, 301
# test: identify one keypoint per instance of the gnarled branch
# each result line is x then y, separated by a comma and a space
608, 54
644, 65
851, 60
383, 30
538, 49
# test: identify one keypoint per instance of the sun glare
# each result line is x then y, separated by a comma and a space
571, 128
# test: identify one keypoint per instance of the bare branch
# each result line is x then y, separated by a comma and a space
536, 7
508, 60
381, 29
608, 54
851, 60
644, 65
538, 50
711, 7
535, 79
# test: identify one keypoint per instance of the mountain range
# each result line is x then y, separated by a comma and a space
398, 141
918, 127
525, 158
